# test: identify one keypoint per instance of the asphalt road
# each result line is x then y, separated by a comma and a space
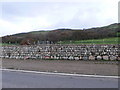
34, 80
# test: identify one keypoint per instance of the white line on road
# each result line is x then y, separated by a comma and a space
65, 74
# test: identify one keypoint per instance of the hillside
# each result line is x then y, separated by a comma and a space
112, 40
57, 35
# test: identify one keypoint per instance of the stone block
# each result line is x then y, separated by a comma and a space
71, 58
99, 57
85, 58
118, 58
80, 57
105, 57
91, 57
76, 58
113, 57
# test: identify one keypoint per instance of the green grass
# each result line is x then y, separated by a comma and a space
118, 34
4, 44
39, 32
113, 40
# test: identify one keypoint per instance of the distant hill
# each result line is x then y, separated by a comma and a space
63, 34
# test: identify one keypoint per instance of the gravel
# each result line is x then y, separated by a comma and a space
65, 66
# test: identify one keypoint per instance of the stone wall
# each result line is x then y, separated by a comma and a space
57, 51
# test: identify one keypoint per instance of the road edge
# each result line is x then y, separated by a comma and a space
64, 74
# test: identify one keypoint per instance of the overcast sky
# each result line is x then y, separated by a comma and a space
24, 16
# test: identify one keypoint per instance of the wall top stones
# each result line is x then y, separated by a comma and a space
66, 51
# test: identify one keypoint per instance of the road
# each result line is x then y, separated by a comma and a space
34, 80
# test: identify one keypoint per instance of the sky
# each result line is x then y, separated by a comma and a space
18, 16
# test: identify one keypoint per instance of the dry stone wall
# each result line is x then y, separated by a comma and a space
57, 51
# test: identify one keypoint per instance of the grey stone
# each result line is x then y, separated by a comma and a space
76, 58
105, 57
91, 58
99, 57
113, 57
85, 58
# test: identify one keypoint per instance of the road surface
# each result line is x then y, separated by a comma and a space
35, 80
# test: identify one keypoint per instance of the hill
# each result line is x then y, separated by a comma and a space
54, 36
112, 40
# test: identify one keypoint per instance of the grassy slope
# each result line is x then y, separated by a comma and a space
3, 44
113, 40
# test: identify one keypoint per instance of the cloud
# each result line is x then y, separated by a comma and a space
24, 25
28, 16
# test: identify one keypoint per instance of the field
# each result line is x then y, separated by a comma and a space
6, 44
113, 40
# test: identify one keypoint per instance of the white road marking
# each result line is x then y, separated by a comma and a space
65, 74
